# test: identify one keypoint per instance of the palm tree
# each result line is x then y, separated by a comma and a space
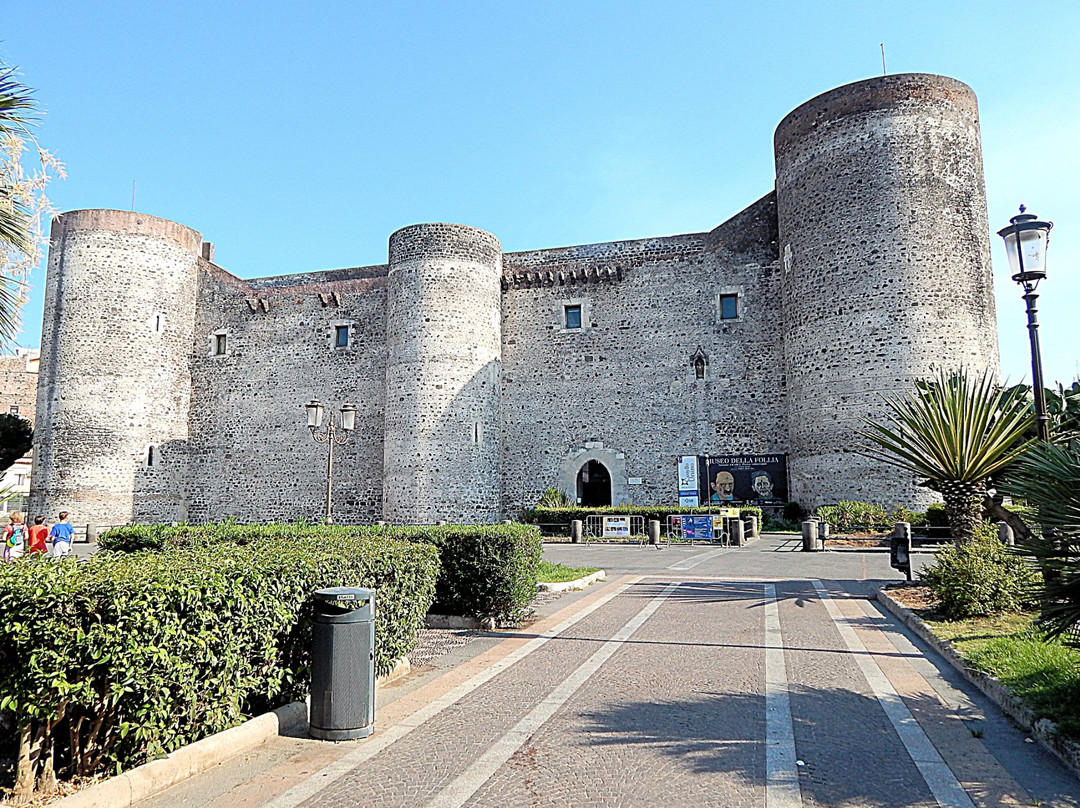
16, 234
955, 431
1048, 477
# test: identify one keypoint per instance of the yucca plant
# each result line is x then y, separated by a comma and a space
554, 498
1048, 478
955, 431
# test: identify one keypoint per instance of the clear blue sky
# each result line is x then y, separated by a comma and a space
298, 136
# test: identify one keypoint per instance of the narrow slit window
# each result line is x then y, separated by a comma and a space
341, 336
729, 307
572, 316
157, 324
149, 456
220, 343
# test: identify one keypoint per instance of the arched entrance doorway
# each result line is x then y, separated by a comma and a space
594, 485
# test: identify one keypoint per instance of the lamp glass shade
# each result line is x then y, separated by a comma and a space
1026, 239
314, 413
348, 417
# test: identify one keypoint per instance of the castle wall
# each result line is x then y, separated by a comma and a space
114, 381
252, 455
885, 247
443, 415
622, 389
170, 389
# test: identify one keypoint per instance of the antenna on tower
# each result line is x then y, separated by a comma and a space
883, 58
133, 196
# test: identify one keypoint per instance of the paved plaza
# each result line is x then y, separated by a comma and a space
697, 676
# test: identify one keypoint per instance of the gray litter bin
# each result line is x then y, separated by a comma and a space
343, 664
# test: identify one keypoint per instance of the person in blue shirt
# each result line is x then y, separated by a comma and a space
61, 534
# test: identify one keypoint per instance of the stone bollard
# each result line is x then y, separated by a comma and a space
738, 533
380, 523
1005, 533
91, 533
575, 531
654, 532
441, 522
751, 527
508, 521
810, 536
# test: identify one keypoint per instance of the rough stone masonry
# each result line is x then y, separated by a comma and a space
172, 390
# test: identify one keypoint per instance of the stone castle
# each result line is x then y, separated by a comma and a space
171, 390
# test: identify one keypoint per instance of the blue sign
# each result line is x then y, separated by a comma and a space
697, 527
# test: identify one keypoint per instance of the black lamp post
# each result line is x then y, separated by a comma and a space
330, 437
1026, 239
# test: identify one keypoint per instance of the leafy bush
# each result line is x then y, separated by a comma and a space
557, 520
936, 516
554, 498
849, 516
979, 578
486, 570
122, 658
793, 512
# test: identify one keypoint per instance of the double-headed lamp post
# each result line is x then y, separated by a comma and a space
1026, 239
331, 436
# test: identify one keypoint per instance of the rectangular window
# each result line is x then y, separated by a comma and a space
219, 344
14, 409
573, 316
341, 336
729, 307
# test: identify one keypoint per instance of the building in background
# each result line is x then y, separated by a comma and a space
18, 395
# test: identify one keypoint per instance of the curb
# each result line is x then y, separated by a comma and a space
154, 777
1043, 730
457, 621
568, 586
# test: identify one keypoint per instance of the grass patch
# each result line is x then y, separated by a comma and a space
1046, 675
559, 573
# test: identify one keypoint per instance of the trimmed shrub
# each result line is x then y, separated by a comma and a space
486, 570
125, 657
979, 578
556, 521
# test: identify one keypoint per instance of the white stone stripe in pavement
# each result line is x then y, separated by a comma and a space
938, 776
382, 739
693, 561
781, 771
468, 782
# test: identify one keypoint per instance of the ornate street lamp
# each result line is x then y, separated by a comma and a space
1026, 239
331, 436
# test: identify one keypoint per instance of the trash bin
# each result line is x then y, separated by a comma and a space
343, 664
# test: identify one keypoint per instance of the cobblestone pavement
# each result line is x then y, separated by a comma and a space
741, 678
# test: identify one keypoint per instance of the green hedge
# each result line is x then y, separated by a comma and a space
561, 517
486, 570
126, 656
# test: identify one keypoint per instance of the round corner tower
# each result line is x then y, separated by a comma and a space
114, 383
885, 255
443, 336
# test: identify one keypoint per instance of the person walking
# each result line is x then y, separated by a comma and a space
61, 534
14, 537
39, 534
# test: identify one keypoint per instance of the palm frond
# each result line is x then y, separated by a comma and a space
954, 427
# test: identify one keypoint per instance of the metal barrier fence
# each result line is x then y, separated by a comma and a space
705, 528
615, 527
